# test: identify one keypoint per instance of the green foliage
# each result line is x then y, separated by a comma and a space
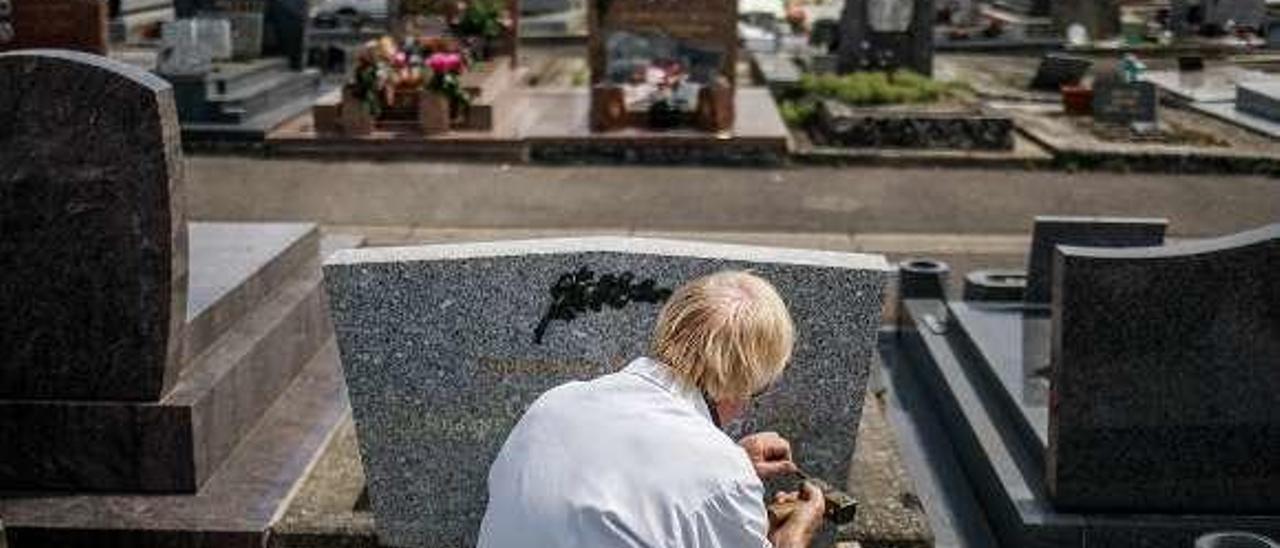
878, 88
366, 85
481, 18
798, 113
449, 85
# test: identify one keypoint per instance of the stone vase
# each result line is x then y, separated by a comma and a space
354, 118
433, 113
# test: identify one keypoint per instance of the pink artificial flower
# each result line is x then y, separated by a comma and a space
400, 59
442, 63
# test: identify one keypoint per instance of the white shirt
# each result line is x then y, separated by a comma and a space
629, 459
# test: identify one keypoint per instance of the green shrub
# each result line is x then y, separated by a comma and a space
798, 113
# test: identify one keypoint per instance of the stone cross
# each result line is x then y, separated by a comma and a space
93, 248
445, 346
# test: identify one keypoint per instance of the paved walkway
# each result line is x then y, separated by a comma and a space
849, 202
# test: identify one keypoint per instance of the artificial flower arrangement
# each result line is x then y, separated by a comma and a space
387, 72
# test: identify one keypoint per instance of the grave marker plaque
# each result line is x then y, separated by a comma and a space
1125, 103
445, 346
60, 24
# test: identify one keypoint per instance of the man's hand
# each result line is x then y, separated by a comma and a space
795, 517
770, 454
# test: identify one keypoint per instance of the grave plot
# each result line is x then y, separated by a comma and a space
1118, 392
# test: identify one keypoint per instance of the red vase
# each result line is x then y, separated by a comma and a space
1077, 100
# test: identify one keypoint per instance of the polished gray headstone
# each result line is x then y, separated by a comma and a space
93, 246
1166, 376
1051, 231
442, 354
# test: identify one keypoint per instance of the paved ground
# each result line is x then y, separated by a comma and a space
892, 205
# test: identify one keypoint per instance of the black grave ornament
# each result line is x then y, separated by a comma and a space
580, 292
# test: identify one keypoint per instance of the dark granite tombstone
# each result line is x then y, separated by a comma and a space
1052, 231
146, 399
825, 35
62, 24
885, 35
1165, 380
94, 259
1124, 103
1060, 69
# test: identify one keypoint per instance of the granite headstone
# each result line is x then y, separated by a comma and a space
1052, 231
886, 35
1165, 377
261, 27
1124, 103
1060, 69
62, 24
445, 346
92, 229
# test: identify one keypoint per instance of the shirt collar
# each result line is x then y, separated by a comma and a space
661, 375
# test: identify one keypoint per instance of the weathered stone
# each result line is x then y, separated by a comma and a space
842, 125
445, 346
94, 230
61, 24
1052, 231
1165, 380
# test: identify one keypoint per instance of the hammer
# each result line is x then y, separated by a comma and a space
841, 507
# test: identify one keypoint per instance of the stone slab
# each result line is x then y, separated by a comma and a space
234, 509
94, 232
842, 125
1052, 231
79, 25
1212, 85
968, 438
1165, 378
269, 320
1260, 99
1229, 113
444, 346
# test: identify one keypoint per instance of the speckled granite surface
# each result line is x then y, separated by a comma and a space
438, 345
1165, 377
1051, 231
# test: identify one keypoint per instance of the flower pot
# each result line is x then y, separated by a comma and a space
1077, 100
354, 118
433, 113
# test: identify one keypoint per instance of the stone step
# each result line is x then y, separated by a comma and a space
274, 91
235, 507
231, 78
174, 445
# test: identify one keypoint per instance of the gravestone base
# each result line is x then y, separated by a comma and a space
974, 375
221, 451
243, 101
255, 318
961, 127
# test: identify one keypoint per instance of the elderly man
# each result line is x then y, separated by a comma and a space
638, 458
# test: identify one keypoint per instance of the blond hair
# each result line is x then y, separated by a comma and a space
728, 334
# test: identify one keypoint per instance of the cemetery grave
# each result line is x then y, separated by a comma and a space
1125, 397
170, 382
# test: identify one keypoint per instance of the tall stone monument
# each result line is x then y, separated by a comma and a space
162, 383
886, 35
445, 346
